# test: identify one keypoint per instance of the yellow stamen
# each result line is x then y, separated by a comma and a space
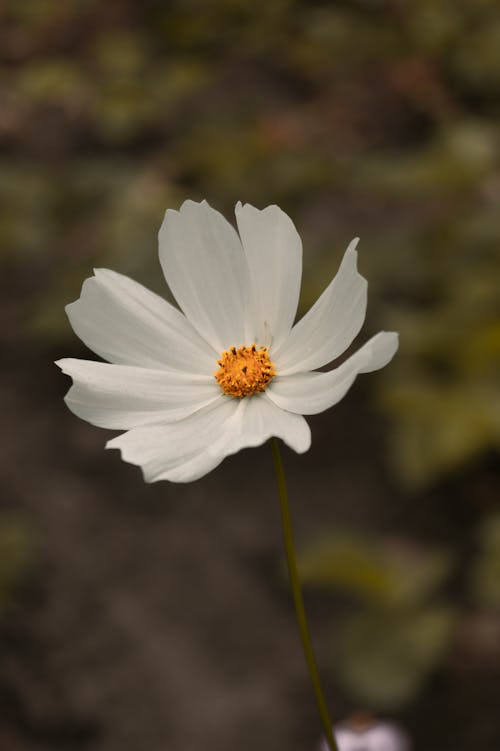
244, 371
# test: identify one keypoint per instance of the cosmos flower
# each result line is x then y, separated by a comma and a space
370, 736
229, 369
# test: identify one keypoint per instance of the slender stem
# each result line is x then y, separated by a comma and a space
297, 597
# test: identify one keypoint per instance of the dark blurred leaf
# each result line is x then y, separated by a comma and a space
383, 656
374, 571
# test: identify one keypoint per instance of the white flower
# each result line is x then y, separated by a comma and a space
230, 370
372, 736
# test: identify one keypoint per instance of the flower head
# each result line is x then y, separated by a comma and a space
369, 736
229, 369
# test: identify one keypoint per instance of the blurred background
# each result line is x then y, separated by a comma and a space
159, 617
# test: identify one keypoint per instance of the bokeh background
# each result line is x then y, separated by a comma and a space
159, 617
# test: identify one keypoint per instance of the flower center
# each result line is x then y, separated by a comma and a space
244, 371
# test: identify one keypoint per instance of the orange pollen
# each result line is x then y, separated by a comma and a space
244, 371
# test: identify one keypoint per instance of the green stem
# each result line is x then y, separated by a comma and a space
297, 597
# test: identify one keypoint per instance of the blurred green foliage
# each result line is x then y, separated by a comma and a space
397, 626
372, 118
391, 574
382, 657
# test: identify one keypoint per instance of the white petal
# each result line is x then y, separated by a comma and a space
121, 396
191, 448
254, 421
330, 326
205, 267
260, 419
162, 450
124, 322
273, 250
309, 393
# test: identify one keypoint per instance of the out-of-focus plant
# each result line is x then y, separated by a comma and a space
443, 391
395, 627
16, 553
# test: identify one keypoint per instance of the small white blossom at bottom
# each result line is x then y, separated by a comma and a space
228, 368
369, 736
